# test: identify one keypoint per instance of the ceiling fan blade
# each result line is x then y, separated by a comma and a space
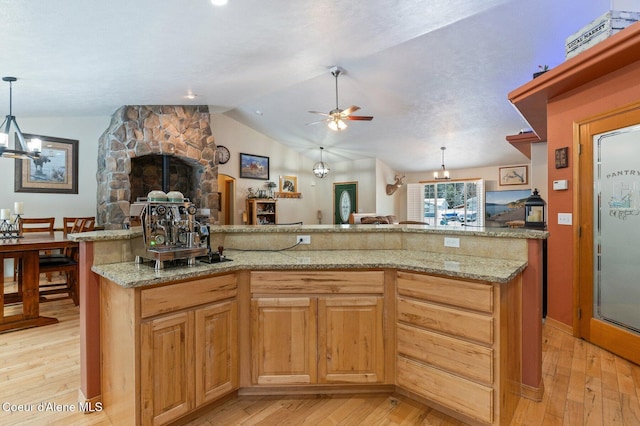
349, 110
358, 118
318, 112
320, 121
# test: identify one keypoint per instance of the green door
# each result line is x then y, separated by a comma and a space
345, 201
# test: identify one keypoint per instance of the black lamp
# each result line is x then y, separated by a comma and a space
23, 149
535, 211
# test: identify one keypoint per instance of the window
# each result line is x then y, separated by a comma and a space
449, 204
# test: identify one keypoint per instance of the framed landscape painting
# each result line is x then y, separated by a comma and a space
54, 171
254, 166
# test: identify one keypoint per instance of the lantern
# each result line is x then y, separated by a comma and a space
535, 211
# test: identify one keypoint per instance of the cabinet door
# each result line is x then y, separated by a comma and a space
166, 368
216, 354
350, 339
283, 340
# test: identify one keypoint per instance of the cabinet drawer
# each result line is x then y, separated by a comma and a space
451, 391
464, 294
460, 357
447, 320
172, 297
321, 282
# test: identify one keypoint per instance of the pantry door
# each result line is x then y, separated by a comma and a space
609, 233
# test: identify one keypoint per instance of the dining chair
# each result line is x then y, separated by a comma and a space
37, 224
29, 225
78, 224
65, 263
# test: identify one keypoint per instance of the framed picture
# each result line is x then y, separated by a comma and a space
254, 166
345, 201
514, 175
55, 171
288, 184
562, 158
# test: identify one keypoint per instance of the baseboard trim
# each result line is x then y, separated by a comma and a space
89, 405
532, 393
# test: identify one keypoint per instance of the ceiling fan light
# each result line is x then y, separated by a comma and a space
337, 125
4, 140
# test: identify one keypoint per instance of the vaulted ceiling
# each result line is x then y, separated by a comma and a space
432, 72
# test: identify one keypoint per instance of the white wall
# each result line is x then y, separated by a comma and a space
282, 162
86, 130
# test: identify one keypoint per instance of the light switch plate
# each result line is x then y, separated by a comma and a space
565, 218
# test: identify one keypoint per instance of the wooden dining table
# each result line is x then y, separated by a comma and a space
25, 252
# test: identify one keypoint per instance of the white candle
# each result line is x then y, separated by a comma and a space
5, 214
18, 207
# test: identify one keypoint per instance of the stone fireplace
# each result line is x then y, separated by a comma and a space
148, 147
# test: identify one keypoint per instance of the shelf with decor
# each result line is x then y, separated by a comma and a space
262, 211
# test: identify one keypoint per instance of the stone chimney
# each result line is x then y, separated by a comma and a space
139, 130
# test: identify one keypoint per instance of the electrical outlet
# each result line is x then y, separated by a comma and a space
452, 242
304, 239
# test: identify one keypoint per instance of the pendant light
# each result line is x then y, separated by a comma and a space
24, 150
445, 172
321, 169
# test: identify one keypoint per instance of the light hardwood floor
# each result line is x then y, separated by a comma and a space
585, 385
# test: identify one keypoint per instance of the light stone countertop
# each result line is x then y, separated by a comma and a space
129, 274
296, 229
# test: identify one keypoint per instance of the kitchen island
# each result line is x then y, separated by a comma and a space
288, 314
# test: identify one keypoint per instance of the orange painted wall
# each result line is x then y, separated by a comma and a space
599, 96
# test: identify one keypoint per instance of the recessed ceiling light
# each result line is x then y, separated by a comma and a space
218, 2
259, 112
191, 95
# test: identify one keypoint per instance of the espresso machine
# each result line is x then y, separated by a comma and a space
170, 231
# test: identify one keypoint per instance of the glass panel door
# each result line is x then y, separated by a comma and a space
616, 296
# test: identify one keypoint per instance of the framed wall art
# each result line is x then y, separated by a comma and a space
288, 184
254, 166
562, 158
55, 171
514, 175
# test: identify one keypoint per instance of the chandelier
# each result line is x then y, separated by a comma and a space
445, 172
23, 149
321, 169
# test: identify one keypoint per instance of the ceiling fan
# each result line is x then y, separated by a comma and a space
337, 117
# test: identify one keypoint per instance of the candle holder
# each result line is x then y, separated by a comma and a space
10, 229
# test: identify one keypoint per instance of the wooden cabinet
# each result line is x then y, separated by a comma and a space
317, 327
284, 340
262, 211
186, 340
453, 347
167, 357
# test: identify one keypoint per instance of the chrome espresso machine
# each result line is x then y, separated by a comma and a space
170, 230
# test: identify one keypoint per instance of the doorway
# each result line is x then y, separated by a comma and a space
609, 228
227, 193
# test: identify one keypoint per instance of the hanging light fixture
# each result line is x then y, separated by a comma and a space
321, 169
445, 172
337, 124
24, 150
